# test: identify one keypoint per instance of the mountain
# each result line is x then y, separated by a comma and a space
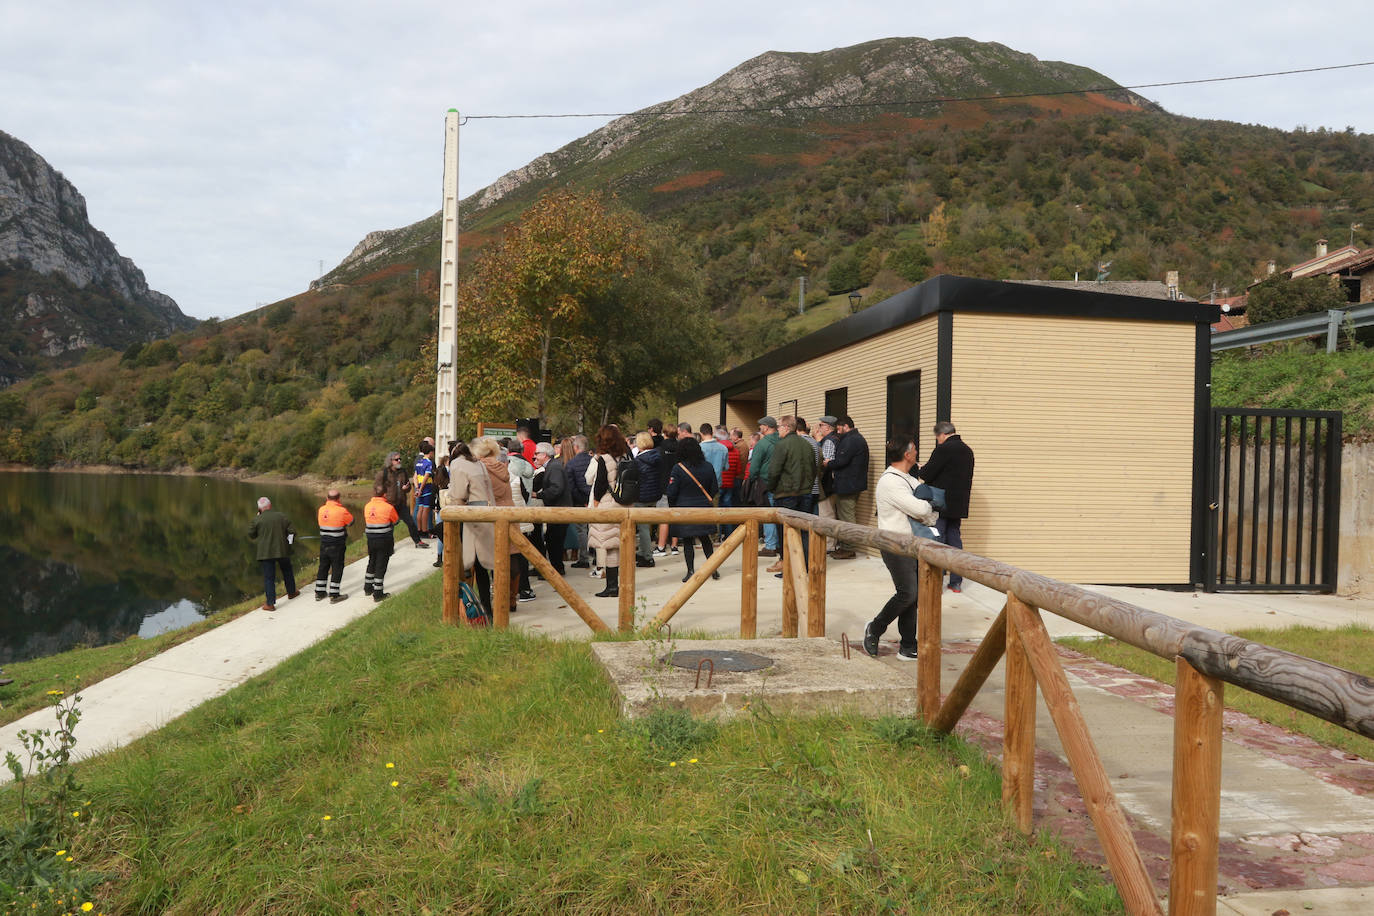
63, 286
770, 116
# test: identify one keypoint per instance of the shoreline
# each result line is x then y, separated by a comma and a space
361, 489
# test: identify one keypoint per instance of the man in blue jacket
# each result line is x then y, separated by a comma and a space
849, 477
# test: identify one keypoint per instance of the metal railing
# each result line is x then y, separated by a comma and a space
1329, 323
1206, 660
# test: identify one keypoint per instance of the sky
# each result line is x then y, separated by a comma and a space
232, 150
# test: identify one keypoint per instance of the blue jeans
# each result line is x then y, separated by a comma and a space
770, 532
901, 607
949, 531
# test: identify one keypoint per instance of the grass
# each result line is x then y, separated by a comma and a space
404, 766
1350, 647
1295, 376
81, 667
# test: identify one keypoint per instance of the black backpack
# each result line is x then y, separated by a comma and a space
626, 489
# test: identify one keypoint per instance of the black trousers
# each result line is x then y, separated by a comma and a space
554, 536
404, 512
901, 607
379, 550
331, 565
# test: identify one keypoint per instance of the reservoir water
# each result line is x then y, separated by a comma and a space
92, 559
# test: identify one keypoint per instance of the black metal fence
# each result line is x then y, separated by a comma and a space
1274, 500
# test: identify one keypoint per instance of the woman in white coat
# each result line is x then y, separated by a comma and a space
601, 477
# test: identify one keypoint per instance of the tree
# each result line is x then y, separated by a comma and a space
558, 309
1280, 296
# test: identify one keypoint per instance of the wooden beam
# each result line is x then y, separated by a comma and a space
689, 588
560, 584
928, 639
1018, 741
749, 582
626, 622
975, 674
500, 576
453, 573
1196, 816
1113, 832
815, 586
793, 575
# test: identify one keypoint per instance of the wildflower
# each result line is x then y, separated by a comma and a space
673, 764
56, 693
87, 907
394, 783
391, 766
61, 852
69, 858
327, 817
76, 814
601, 731
693, 760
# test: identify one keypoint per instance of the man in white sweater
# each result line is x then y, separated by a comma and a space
897, 506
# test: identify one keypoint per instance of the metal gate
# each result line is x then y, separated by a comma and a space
1274, 500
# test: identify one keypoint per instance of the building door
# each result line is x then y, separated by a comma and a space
1274, 498
904, 406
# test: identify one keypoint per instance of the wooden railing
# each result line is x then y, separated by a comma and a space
1206, 660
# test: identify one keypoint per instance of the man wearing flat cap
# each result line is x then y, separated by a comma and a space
825, 435
759, 460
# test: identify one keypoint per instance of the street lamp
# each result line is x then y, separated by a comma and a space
854, 298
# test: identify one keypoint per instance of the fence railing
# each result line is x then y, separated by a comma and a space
1206, 660
1329, 323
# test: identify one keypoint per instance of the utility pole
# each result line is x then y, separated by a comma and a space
801, 295
446, 394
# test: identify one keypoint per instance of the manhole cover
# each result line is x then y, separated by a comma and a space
724, 661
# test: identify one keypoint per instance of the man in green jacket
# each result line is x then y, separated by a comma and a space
275, 534
759, 460
791, 472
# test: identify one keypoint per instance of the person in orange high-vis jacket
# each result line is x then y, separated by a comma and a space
334, 520
381, 518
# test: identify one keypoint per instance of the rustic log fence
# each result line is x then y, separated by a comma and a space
1206, 660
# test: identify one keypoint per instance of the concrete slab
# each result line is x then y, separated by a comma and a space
807, 676
1327, 901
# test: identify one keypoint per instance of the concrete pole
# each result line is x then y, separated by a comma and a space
446, 395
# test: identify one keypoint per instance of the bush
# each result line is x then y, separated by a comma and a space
1279, 297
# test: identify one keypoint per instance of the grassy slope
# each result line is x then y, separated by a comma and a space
1351, 648
519, 790
1294, 376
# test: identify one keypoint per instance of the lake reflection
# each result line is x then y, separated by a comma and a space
91, 559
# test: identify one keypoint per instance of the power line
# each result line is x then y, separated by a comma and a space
933, 100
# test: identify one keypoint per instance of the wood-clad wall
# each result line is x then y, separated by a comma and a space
863, 368
705, 410
1083, 434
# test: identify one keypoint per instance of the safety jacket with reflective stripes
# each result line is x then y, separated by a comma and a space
380, 517
334, 520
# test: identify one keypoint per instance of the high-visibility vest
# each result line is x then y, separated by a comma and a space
380, 516
334, 520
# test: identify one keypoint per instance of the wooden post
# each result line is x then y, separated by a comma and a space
928, 639
1197, 792
560, 585
976, 672
1123, 857
1018, 740
627, 576
749, 582
689, 588
791, 554
453, 572
500, 576
815, 586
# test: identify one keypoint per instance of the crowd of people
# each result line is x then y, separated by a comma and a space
666, 465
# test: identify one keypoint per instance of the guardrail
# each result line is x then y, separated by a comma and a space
1206, 660
1329, 322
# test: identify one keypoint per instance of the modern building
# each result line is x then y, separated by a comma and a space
1087, 413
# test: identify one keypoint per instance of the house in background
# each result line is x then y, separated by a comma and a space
1088, 413
1353, 267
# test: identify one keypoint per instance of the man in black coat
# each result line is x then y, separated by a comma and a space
581, 493
551, 485
951, 469
849, 477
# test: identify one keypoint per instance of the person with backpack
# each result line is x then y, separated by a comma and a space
608, 489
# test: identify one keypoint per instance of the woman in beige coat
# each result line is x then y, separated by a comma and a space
601, 476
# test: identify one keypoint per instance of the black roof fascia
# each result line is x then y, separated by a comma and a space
955, 294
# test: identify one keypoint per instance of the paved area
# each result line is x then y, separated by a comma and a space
1297, 819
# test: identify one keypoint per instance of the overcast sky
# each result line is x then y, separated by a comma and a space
230, 148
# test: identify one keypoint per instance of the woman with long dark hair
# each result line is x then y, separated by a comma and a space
692, 484
604, 538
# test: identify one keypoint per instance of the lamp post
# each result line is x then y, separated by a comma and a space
854, 298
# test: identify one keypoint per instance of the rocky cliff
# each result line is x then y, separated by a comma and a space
63, 286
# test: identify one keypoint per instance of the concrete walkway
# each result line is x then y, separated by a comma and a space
128, 705
1297, 820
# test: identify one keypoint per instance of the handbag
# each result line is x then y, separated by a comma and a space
933, 495
755, 492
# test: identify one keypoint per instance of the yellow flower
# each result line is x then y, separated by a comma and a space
76, 814
394, 783
69, 858
391, 766
327, 817
61, 852
693, 760
673, 764
601, 731
56, 693
87, 907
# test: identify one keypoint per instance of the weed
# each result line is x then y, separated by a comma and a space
674, 732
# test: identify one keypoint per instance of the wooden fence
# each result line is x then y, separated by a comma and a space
1206, 660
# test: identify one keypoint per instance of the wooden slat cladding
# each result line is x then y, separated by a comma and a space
707, 410
863, 368
1083, 432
